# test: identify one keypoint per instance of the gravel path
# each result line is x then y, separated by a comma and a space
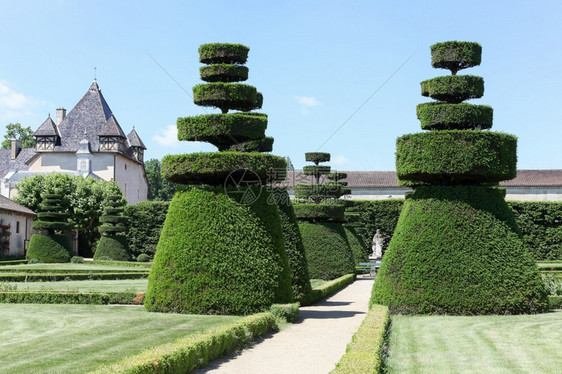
312, 345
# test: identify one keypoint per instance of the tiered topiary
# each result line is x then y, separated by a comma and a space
222, 249
113, 243
50, 245
321, 215
456, 248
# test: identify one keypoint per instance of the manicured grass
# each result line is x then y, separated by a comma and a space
317, 282
137, 285
79, 338
480, 344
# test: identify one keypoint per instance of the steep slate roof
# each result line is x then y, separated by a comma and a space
387, 179
47, 128
20, 163
111, 128
135, 140
7, 204
88, 117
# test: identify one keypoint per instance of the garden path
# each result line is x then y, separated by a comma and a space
314, 344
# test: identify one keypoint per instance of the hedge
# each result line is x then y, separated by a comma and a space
317, 157
455, 55
144, 225
328, 288
214, 168
259, 145
555, 302
113, 246
223, 73
453, 88
226, 96
294, 247
316, 170
463, 116
317, 192
71, 297
223, 53
214, 256
455, 157
319, 212
365, 352
359, 248
50, 248
327, 250
195, 351
336, 176
541, 225
222, 129
54, 277
288, 312
475, 263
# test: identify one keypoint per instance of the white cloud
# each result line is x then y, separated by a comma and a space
340, 160
307, 102
167, 137
14, 105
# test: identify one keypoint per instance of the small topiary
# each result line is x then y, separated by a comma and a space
77, 260
143, 257
49, 248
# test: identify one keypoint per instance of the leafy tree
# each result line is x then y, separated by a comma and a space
15, 130
159, 188
82, 199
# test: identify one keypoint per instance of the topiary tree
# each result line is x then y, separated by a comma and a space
113, 243
321, 215
50, 244
240, 265
456, 248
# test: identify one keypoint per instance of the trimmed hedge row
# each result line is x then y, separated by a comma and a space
327, 250
444, 116
12, 262
455, 157
453, 88
455, 55
328, 288
214, 168
70, 297
195, 351
223, 73
222, 129
365, 352
476, 263
223, 53
54, 277
319, 212
227, 96
288, 312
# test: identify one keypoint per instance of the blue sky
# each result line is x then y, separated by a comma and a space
316, 63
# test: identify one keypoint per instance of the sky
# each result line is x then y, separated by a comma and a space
337, 76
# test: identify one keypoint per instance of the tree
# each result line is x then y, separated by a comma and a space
159, 188
82, 199
456, 248
15, 130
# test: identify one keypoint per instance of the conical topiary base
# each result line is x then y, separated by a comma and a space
50, 248
214, 257
113, 247
456, 250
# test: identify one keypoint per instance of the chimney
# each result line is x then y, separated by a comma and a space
16, 148
61, 113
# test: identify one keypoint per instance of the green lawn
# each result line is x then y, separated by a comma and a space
68, 267
79, 338
137, 285
479, 344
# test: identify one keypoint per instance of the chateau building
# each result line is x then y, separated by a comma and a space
88, 142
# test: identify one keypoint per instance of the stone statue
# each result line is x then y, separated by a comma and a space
377, 245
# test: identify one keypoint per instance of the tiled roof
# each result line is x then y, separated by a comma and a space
7, 204
135, 140
88, 117
7, 164
387, 179
111, 128
47, 128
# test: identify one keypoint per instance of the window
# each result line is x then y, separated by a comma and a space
17, 227
125, 166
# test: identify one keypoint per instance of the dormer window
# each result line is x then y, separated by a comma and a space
112, 144
45, 143
47, 136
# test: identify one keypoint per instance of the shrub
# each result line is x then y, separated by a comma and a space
445, 116
49, 248
112, 248
288, 312
327, 251
223, 73
358, 247
555, 302
455, 55
319, 212
144, 226
113, 244
77, 260
328, 288
143, 257
227, 96
453, 88
317, 157
223, 53
365, 352
293, 246
214, 256
476, 263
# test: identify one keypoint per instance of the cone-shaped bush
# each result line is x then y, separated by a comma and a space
456, 248
222, 248
50, 245
113, 243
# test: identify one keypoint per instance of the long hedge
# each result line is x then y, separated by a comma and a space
144, 225
71, 297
